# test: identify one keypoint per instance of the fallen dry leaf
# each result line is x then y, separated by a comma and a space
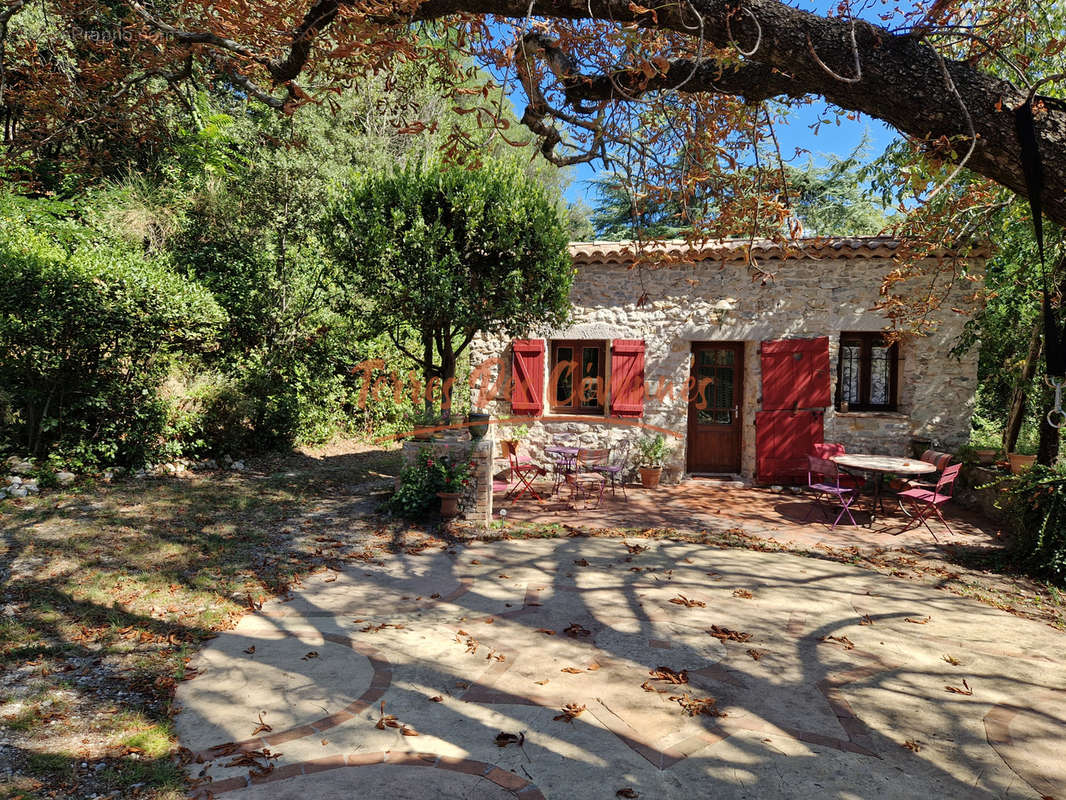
743, 593
966, 690
572, 670
922, 621
865, 620
541, 683
725, 634
695, 706
755, 654
574, 630
436, 699
669, 675
913, 745
634, 549
546, 631
262, 727
309, 656
570, 712
503, 739
626, 792
250, 650
681, 600
951, 660
408, 731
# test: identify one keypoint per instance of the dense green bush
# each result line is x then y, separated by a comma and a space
420, 482
87, 333
1036, 503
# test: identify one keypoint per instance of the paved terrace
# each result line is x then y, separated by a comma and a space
597, 668
702, 504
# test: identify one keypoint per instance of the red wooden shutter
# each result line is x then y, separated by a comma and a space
527, 377
783, 439
627, 377
795, 374
795, 392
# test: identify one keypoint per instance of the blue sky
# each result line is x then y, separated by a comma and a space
831, 139
796, 133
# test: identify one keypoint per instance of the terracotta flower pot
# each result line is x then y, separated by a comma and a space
649, 476
449, 504
1018, 462
986, 455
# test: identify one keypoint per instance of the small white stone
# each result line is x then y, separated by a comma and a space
65, 478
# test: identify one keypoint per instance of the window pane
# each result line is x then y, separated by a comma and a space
880, 375
565, 387
850, 356
590, 372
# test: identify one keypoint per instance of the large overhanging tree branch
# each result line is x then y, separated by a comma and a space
936, 75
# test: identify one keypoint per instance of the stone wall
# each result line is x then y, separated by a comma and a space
712, 301
476, 503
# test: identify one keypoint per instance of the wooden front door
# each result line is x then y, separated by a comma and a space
714, 416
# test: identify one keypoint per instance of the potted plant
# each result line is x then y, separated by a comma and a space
478, 424
450, 477
424, 422
1019, 462
651, 458
517, 434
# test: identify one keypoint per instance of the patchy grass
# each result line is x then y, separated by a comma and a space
109, 590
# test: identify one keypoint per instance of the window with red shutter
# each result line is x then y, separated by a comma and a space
576, 379
527, 377
627, 377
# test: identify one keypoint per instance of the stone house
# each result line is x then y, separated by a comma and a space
742, 375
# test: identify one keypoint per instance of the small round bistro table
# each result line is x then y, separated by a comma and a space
877, 467
563, 461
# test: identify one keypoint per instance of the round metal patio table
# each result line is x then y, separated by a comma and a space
877, 467
566, 458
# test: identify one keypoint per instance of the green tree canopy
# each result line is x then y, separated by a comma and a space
445, 252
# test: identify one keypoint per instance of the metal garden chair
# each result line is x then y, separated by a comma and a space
614, 470
523, 473
823, 478
585, 479
925, 503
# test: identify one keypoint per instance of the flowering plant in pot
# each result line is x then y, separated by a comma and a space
651, 457
450, 477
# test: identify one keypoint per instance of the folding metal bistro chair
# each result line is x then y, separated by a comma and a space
523, 473
823, 478
615, 468
585, 480
925, 503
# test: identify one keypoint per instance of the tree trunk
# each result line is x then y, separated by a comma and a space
1048, 451
1021, 388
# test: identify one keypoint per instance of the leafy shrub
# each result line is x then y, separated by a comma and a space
1036, 503
87, 332
420, 482
652, 451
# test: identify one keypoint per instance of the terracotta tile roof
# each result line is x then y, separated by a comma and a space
735, 250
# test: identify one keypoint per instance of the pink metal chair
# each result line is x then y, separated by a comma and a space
523, 473
827, 450
584, 480
823, 478
925, 503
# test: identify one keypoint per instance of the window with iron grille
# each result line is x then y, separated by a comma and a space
576, 376
867, 373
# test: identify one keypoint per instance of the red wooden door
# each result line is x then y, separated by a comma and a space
714, 418
795, 392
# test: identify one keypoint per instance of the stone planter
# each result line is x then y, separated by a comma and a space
449, 504
1019, 463
919, 445
650, 476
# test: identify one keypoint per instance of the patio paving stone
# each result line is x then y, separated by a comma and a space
827, 680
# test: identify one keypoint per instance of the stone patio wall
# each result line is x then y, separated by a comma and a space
476, 503
712, 301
